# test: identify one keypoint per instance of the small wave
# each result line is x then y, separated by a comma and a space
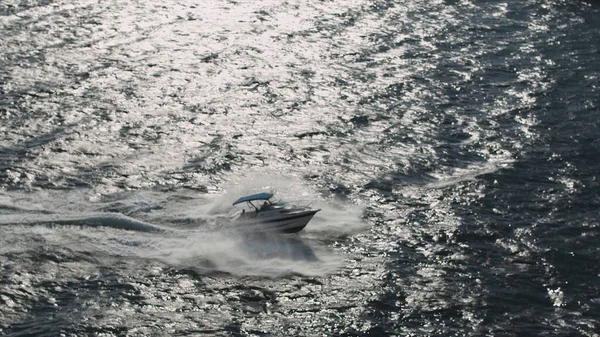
468, 174
12, 208
112, 220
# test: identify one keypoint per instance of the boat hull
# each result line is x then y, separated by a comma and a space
290, 223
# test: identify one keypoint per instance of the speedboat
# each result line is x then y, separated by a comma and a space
264, 214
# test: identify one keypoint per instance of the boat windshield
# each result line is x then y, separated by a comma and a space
271, 205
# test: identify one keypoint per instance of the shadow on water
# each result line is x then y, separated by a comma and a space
269, 246
265, 255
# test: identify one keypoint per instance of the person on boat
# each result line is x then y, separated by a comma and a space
243, 215
264, 205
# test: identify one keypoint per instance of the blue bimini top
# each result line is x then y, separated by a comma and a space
258, 196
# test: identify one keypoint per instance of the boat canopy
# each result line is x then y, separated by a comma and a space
258, 196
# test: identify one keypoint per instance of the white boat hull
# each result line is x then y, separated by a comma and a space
290, 223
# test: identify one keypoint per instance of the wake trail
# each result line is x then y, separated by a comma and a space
112, 220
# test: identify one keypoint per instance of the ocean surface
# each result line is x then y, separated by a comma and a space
453, 147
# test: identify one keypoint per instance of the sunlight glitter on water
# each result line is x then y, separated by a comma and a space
417, 127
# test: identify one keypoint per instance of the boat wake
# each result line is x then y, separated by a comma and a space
112, 220
180, 229
205, 249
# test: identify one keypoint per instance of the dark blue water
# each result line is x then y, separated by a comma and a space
451, 145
